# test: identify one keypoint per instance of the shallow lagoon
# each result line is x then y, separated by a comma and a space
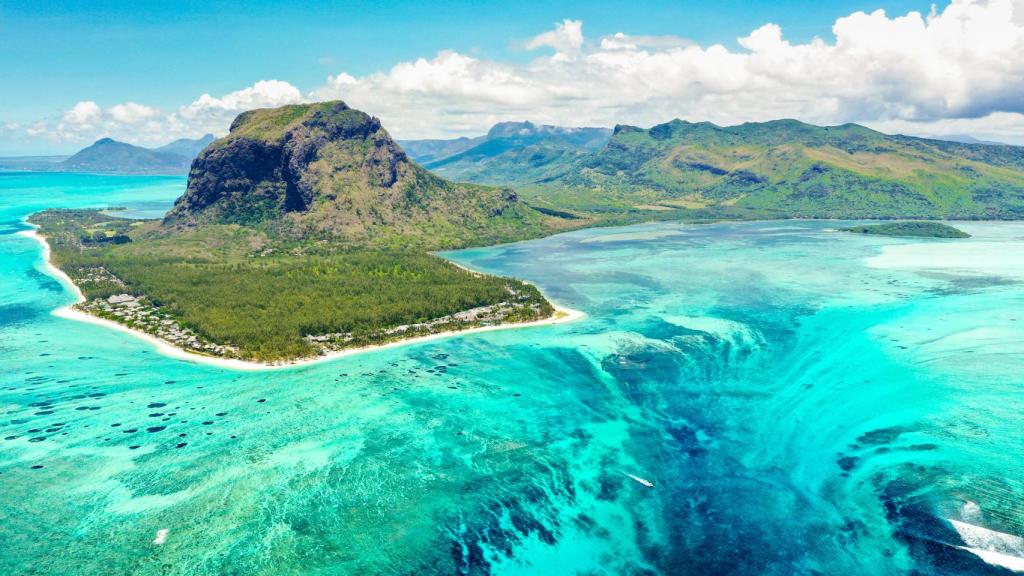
805, 402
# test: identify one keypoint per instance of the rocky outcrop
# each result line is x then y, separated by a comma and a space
325, 169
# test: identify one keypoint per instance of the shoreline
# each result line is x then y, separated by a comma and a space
561, 315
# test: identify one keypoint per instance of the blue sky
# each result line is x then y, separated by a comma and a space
164, 55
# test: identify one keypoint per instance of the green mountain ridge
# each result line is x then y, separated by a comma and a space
786, 168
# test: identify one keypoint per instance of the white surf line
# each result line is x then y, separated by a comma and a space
995, 548
561, 315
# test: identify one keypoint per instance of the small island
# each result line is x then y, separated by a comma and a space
910, 229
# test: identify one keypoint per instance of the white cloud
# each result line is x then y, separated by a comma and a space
146, 125
82, 114
566, 39
620, 41
952, 71
1006, 127
959, 63
263, 94
131, 113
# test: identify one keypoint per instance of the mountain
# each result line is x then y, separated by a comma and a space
187, 147
510, 153
326, 170
111, 156
787, 168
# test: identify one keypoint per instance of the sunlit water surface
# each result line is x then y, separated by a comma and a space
804, 401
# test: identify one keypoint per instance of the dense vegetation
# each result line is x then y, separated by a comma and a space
227, 284
912, 229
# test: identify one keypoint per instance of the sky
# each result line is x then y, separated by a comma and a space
149, 72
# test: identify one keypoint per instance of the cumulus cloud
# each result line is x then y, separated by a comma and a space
961, 63
566, 39
87, 121
954, 70
132, 113
263, 94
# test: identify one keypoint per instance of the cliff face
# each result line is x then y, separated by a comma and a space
328, 170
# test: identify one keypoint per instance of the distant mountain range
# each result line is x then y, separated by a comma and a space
510, 153
782, 168
110, 156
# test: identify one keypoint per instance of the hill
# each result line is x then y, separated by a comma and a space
786, 168
511, 153
304, 231
187, 147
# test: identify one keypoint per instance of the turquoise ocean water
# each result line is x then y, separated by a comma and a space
804, 401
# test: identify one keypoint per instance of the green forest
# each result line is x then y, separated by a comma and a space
226, 285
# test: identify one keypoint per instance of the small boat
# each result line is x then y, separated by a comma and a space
647, 483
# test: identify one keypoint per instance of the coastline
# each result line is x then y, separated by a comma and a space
561, 315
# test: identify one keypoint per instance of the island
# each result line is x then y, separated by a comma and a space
304, 233
910, 229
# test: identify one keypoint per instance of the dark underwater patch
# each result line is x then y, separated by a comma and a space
45, 281
17, 314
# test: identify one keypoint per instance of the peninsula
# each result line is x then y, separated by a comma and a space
305, 232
